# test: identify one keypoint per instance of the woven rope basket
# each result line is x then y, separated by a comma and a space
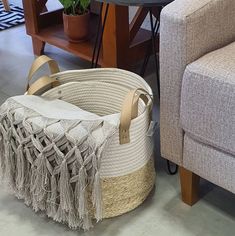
127, 165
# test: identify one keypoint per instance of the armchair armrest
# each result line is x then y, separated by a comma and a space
189, 29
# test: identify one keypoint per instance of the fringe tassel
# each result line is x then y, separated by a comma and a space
76, 196
83, 211
3, 154
61, 215
27, 194
97, 197
73, 220
41, 184
10, 166
65, 188
32, 188
20, 167
52, 201
96, 191
82, 186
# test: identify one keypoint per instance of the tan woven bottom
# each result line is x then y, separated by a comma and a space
125, 193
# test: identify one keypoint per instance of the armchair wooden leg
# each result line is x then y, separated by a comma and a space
189, 186
6, 5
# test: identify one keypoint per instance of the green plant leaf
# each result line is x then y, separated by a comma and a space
75, 6
66, 3
84, 4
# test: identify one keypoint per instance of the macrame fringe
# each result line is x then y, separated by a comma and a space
52, 174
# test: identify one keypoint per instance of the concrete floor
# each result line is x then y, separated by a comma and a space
162, 214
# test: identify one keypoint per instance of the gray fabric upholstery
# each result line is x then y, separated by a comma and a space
209, 163
208, 99
189, 30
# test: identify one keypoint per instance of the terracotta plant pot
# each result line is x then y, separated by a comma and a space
76, 27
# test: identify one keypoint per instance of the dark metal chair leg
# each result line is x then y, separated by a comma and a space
154, 50
97, 35
170, 171
102, 33
149, 49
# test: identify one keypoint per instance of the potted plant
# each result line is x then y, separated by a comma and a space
76, 17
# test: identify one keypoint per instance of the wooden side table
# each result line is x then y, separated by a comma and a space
149, 5
123, 44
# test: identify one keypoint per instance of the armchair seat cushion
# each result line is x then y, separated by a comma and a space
208, 99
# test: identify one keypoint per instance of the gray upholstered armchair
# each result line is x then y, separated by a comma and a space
197, 70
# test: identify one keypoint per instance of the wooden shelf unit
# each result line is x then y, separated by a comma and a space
123, 44
54, 35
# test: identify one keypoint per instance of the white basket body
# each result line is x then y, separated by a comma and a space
117, 160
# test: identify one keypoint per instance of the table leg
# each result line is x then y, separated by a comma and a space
38, 46
116, 37
6, 5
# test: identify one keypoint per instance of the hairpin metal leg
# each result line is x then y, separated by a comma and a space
97, 35
170, 171
149, 49
154, 50
100, 38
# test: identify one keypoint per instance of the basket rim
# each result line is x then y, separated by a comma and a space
111, 70
139, 117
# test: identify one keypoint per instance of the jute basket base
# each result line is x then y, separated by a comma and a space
125, 193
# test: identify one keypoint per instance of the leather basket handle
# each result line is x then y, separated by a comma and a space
130, 112
44, 81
